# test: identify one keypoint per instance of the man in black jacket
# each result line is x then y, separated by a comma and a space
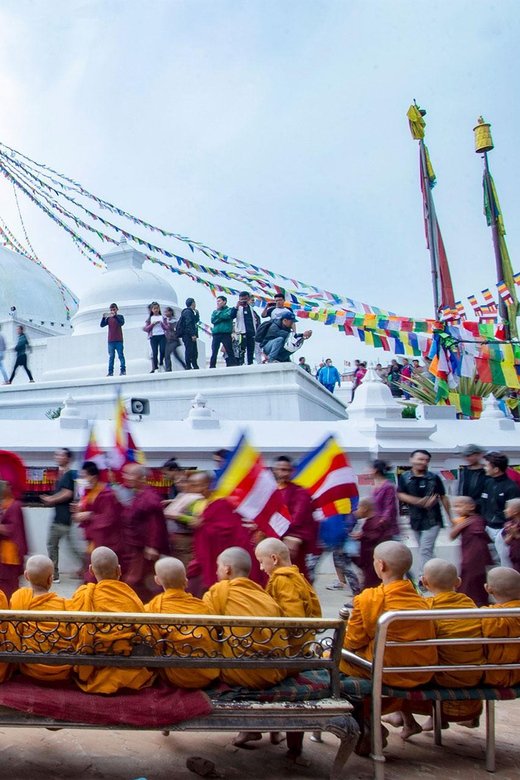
472, 477
246, 323
498, 490
273, 343
188, 330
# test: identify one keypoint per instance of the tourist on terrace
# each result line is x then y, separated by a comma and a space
114, 321
329, 376
246, 323
275, 340
172, 346
3, 347
222, 320
21, 348
306, 367
155, 330
188, 331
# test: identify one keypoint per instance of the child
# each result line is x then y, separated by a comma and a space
511, 531
287, 586
504, 586
373, 532
475, 555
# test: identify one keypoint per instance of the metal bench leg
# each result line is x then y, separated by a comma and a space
377, 739
437, 722
490, 736
347, 731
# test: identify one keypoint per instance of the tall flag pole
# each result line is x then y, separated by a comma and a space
508, 307
443, 296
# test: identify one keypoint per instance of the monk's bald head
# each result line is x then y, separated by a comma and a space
104, 564
271, 554
395, 557
39, 571
440, 575
134, 474
233, 562
170, 573
503, 584
512, 510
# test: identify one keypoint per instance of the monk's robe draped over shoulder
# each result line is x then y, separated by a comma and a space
241, 596
5, 669
109, 596
32, 637
503, 654
190, 641
296, 598
361, 630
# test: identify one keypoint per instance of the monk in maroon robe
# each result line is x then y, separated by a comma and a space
99, 514
217, 527
13, 542
474, 550
145, 535
302, 536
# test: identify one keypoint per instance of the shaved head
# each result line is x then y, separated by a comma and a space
396, 556
441, 575
170, 573
272, 546
105, 564
513, 507
465, 502
38, 570
236, 560
504, 583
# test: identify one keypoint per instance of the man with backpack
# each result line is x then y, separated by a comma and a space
273, 337
188, 330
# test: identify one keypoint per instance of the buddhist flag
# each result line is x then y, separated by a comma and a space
125, 449
327, 475
94, 453
252, 490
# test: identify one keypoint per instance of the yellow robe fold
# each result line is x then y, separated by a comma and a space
242, 596
361, 630
458, 654
296, 598
190, 641
5, 669
108, 596
24, 636
502, 654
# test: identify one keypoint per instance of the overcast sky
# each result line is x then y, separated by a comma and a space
274, 131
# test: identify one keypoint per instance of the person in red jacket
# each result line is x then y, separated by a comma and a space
114, 322
301, 538
145, 535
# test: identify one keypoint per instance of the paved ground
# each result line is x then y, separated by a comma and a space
27, 754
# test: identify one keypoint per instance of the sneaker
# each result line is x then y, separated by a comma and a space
56, 579
336, 586
122, 373
110, 375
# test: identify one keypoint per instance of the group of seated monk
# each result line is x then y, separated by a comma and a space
288, 594
392, 562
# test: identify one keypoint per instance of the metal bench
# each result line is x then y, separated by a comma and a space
374, 687
309, 700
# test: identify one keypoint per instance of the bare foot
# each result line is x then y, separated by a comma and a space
243, 737
410, 730
394, 719
276, 737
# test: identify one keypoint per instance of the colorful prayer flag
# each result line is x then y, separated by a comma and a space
252, 489
327, 475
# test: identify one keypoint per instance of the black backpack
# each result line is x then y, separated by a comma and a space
261, 332
179, 328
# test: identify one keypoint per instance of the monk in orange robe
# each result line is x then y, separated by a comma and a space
287, 586
108, 594
504, 585
442, 580
236, 594
5, 669
192, 641
39, 573
391, 562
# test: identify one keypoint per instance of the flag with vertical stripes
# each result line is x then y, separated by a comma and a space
125, 449
252, 490
327, 475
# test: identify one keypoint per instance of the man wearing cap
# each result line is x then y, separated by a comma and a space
472, 477
276, 336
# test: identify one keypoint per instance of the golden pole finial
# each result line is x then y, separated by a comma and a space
483, 140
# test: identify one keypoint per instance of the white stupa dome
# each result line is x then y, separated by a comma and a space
33, 291
126, 284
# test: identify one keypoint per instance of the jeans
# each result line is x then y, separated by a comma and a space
247, 348
224, 339
57, 532
171, 349
273, 348
426, 542
157, 343
113, 347
2, 367
191, 352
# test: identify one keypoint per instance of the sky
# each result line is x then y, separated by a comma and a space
273, 131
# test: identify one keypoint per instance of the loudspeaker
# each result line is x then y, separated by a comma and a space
138, 405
